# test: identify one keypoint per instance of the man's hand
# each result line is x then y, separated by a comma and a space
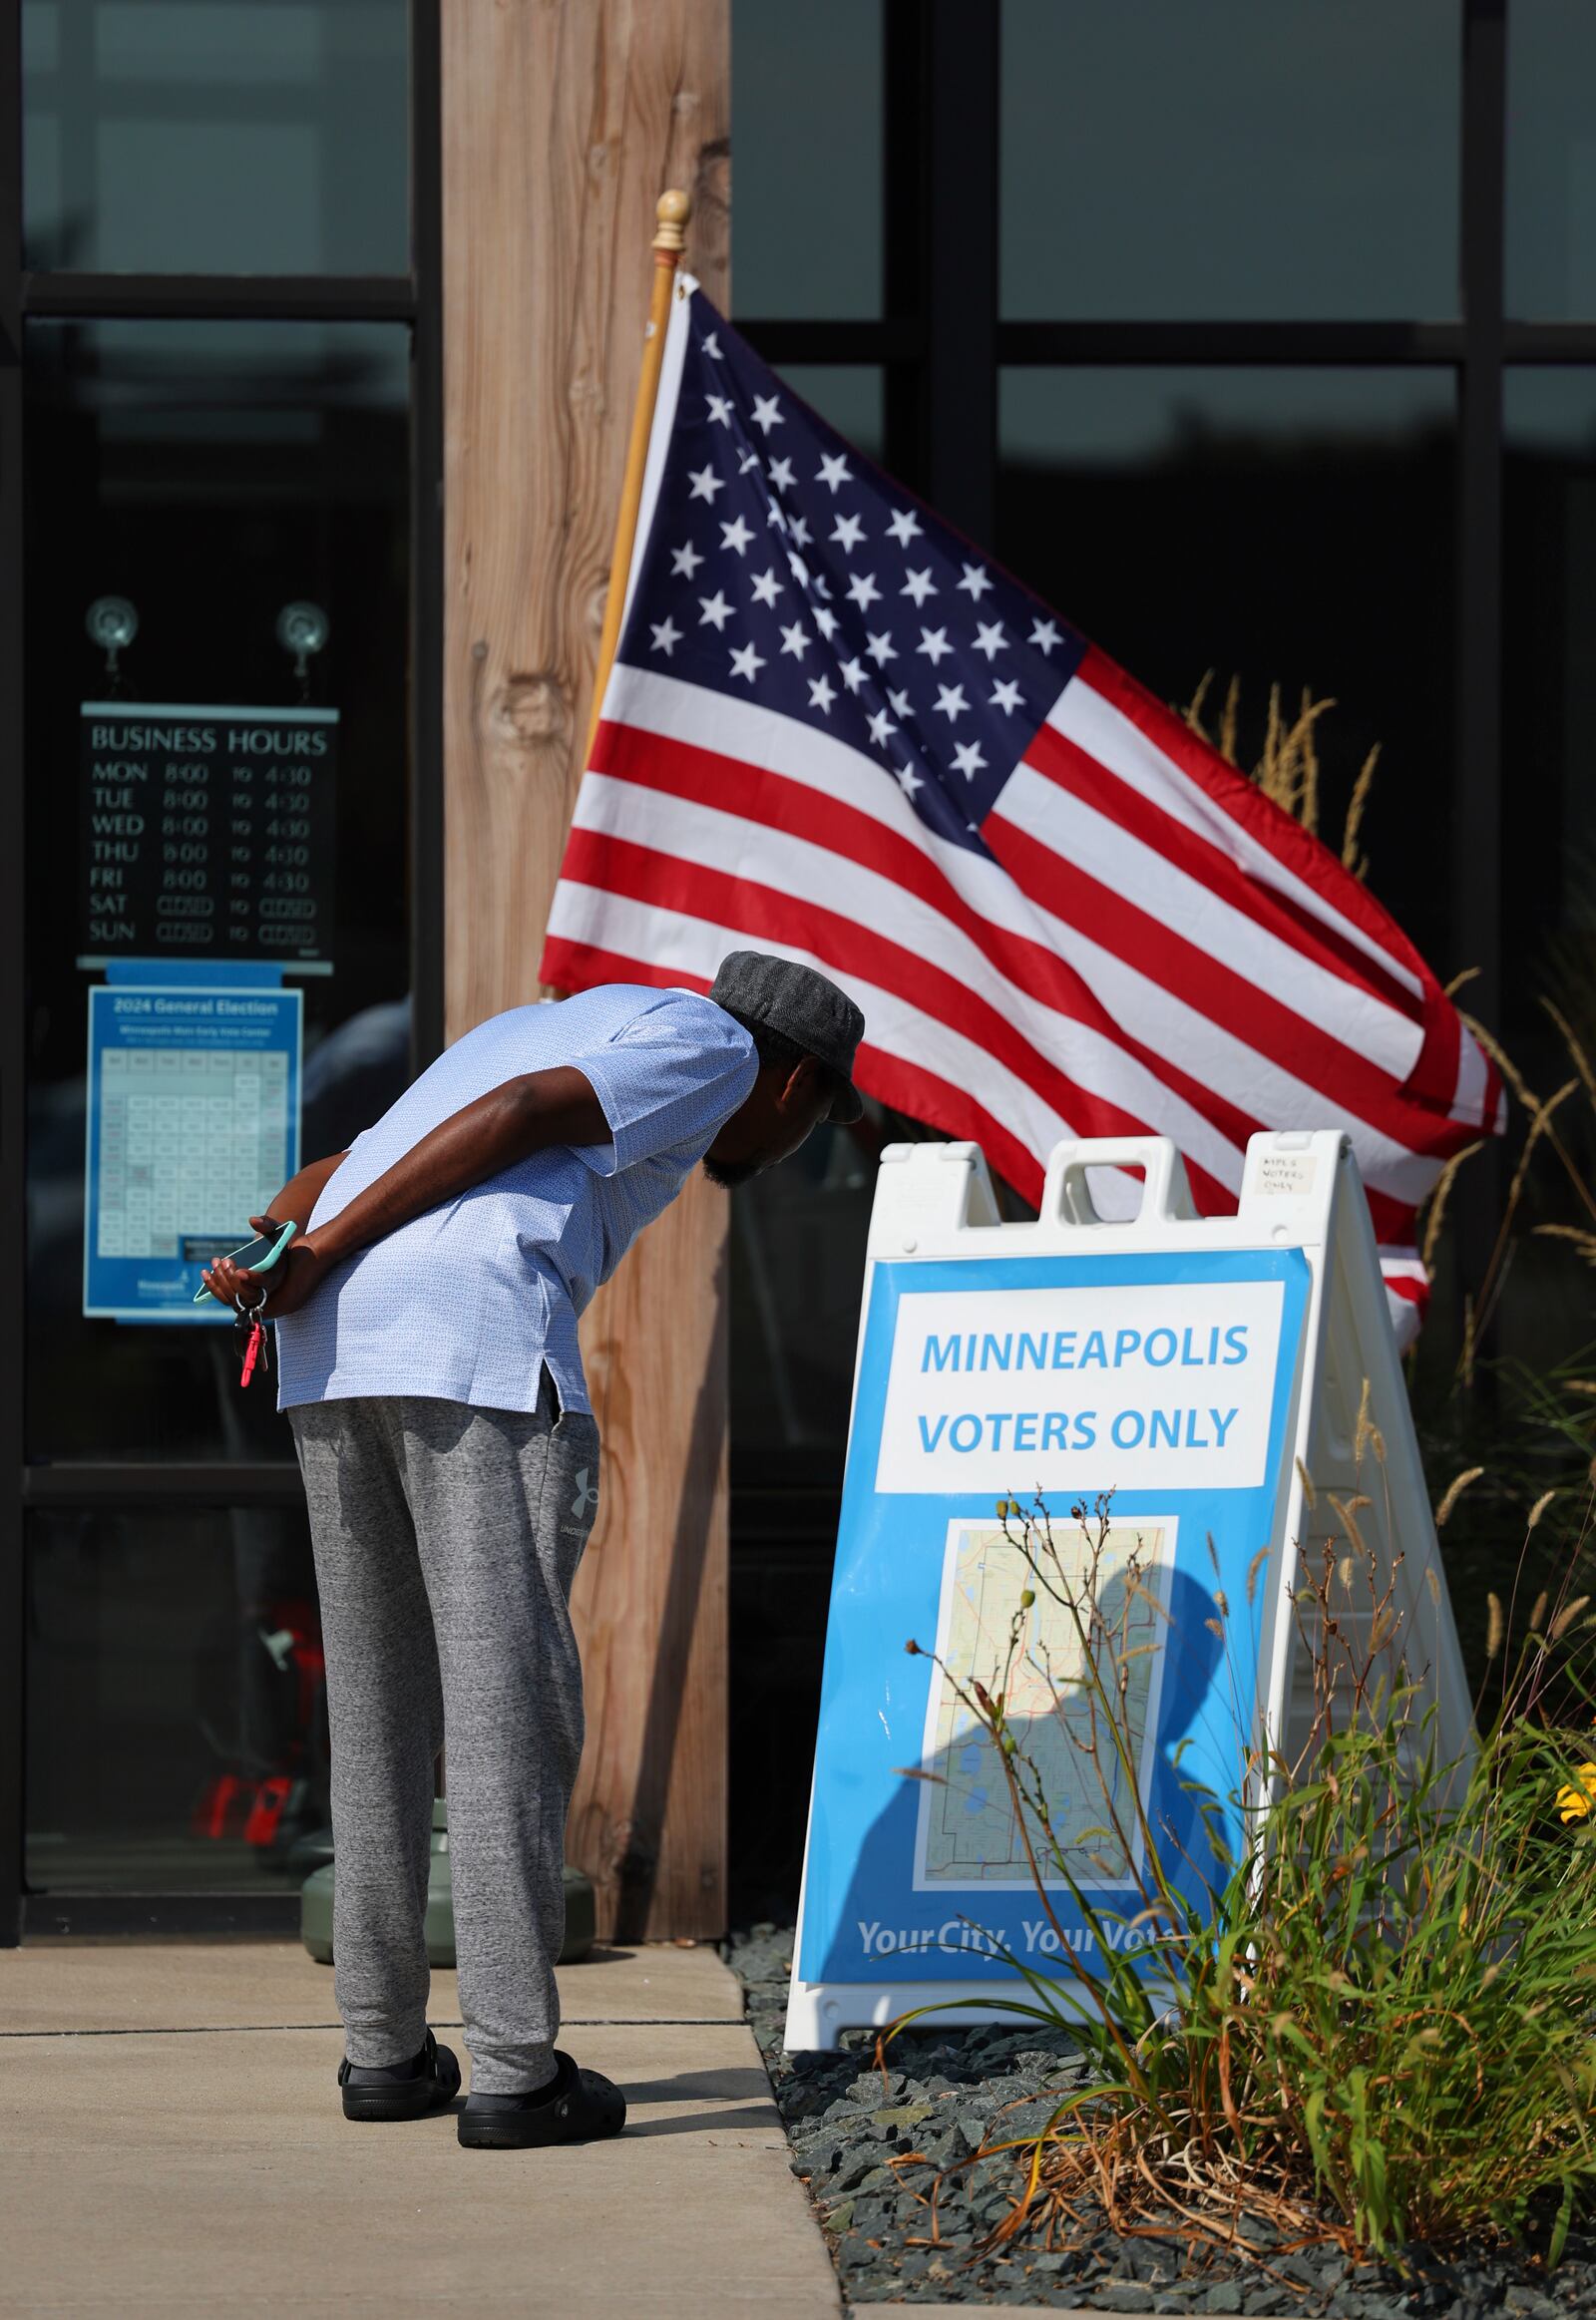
294, 1278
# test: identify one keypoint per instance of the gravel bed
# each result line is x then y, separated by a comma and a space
947, 2091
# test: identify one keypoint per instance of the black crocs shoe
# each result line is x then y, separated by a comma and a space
576, 2106
400, 2090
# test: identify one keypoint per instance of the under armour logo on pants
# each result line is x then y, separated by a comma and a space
587, 1495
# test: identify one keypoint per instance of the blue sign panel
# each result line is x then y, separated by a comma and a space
1164, 1381
194, 1125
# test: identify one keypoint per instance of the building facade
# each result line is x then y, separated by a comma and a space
1260, 338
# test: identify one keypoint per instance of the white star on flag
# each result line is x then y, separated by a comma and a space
746, 663
781, 475
968, 760
920, 585
720, 410
767, 588
767, 413
705, 483
848, 532
1004, 695
903, 526
716, 610
951, 700
880, 726
863, 591
834, 473
1044, 635
934, 644
684, 560
796, 640
882, 649
821, 694
975, 581
735, 534
990, 639
667, 636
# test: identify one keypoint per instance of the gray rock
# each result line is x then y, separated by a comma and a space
869, 2089
1124, 2296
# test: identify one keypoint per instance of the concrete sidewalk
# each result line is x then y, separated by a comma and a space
170, 2141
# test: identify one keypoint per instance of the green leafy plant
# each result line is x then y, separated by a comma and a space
1372, 2020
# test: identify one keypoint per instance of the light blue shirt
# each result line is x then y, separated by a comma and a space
467, 1302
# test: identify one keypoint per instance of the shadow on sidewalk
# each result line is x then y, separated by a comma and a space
745, 2093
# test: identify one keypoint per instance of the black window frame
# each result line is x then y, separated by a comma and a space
943, 343
415, 298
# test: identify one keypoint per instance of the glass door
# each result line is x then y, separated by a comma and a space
220, 605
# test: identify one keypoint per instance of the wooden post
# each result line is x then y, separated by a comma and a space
561, 124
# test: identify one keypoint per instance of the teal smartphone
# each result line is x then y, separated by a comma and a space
255, 1255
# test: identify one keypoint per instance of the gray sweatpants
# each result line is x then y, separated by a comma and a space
446, 1541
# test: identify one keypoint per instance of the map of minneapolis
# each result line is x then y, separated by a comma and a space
968, 1830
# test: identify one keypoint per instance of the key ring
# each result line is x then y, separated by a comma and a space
250, 1313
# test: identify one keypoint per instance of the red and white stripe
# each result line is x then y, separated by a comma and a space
1154, 948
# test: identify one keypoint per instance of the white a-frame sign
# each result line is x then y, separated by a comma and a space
1196, 1368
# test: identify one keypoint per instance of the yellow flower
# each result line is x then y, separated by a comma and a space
1576, 1804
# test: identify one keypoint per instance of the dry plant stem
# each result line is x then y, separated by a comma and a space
1351, 858
1531, 1103
1581, 1060
1288, 770
1436, 1208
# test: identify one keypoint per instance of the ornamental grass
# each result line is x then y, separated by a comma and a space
1377, 2025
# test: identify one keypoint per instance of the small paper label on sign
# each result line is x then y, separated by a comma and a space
1287, 1175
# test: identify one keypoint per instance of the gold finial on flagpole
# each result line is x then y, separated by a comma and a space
672, 214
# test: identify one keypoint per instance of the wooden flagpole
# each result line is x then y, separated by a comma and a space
672, 214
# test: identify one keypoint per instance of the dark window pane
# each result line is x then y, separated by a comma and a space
209, 474
1286, 527
797, 1261
177, 1716
849, 395
806, 110
1549, 744
217, 136
1551, 160
1238, 158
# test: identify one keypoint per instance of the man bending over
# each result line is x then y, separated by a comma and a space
429, 1363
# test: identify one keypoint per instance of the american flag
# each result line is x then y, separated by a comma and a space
836, 730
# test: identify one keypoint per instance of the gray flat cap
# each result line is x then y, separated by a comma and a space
803, 1006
